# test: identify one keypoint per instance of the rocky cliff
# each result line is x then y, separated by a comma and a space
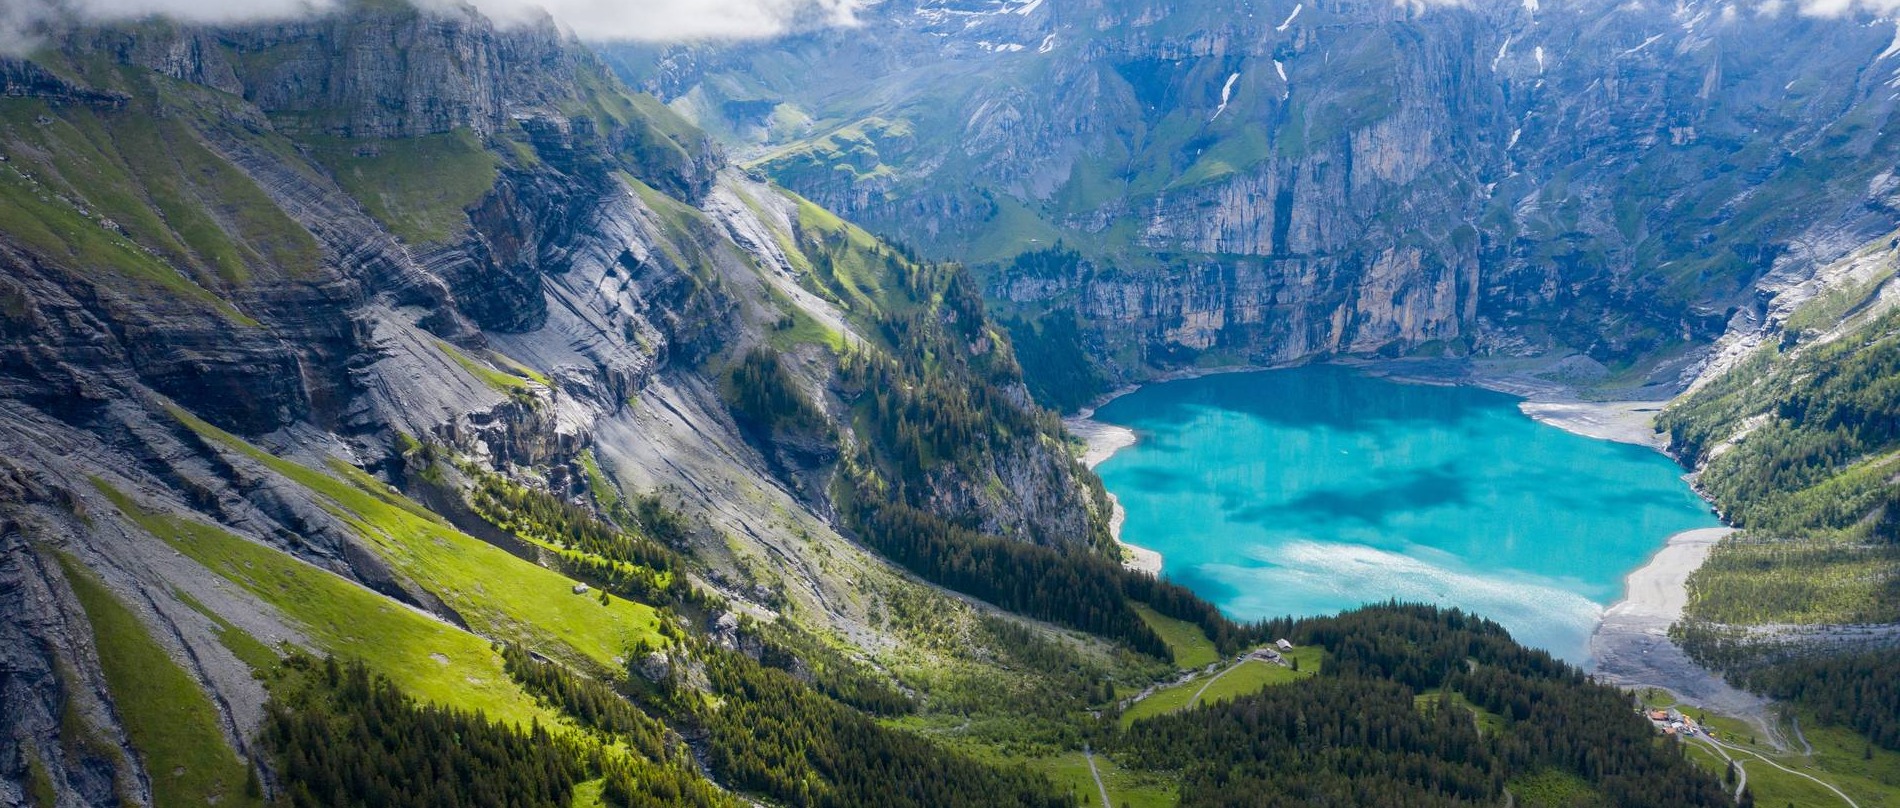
259, 280
1277, 180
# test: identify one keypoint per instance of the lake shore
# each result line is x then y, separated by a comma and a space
1103, 441
1631, 645
1549, 402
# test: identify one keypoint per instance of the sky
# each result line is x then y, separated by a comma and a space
648, 20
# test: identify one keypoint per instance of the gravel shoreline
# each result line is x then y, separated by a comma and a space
1103, 441
1631, 646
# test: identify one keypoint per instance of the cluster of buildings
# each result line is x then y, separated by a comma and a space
1268, 653
1673, 722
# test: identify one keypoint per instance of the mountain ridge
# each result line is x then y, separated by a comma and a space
1490, 180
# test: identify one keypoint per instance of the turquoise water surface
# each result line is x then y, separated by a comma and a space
1316, 489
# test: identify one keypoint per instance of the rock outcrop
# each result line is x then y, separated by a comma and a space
1293, 180
343, 238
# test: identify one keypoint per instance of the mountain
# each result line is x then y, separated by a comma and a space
317, 331
1270, 182
1689, 201
396, 409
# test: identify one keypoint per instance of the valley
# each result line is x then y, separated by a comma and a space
424, 405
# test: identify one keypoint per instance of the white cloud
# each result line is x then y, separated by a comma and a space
22, 22
666, 20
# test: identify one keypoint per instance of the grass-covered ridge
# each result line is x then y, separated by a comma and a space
426, 656
500, 595
173, 725
138, 199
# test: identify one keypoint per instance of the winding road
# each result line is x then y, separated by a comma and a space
1723, 750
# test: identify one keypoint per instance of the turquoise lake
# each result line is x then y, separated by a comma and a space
1316, 489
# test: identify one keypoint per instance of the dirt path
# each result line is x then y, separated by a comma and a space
1741, 772
1210, 683
1719, 746
1099, 785
1807, 749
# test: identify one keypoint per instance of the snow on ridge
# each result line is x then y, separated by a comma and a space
1226, 92
1026, 10
1893, 48
1289, 18
1503, 50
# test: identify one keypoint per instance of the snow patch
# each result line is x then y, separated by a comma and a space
1540, 58
1226, 92
1646, 43
1503, 51
1893, 48
1530, 6
1048, 44
1280, 69
1289, 18
1515, 134
1030, 8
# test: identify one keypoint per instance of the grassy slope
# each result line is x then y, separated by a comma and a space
427, 657
170, 720
500, 596
86, 172
1187, 642
506, 384
1841, 758
1133, 789
1235, 680
418, 187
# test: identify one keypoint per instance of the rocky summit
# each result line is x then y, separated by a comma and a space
434, 405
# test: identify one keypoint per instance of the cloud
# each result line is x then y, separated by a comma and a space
25, 22
673, 20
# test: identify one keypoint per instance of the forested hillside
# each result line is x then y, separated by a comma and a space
1418, 707
1798, 440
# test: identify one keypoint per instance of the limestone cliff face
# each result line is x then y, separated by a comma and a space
1591, 177
339, 237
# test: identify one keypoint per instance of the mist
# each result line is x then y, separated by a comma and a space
22, 22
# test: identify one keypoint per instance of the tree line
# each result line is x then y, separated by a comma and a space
1860, 691
343, 736
1361, 735
767, 733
